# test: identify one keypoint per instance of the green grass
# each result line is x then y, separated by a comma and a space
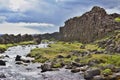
57, 65
4, 47
107, 72
117, 19
103, 59
61, 48
26, 43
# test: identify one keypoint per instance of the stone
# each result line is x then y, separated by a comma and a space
89, 74
113, 77
117, 70
7, 56
98, 77
77, 60
2, 75
68, 66
118, 49
2, 63
60, 56
76, 64
82, 46
75, 70
46, 67
117, 75
19, 62
18, 58
93, 62
68, 56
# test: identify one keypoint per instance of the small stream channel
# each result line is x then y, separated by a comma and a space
30, 71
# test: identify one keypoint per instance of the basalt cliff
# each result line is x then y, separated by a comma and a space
92, 25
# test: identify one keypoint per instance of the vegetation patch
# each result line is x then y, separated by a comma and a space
4, 47
117, 19
107, 72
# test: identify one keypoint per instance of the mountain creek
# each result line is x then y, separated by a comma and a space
30, 71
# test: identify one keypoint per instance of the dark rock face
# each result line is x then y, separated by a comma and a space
52, 36
18, 58
2, 63
6, 39
90, 26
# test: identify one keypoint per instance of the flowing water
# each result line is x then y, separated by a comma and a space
30, 71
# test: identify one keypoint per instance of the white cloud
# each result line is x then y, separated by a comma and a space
2, 19
20, 5
21, 28
113, 10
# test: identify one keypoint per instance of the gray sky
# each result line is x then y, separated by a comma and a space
41, 16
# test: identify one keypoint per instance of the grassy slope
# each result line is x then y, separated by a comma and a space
64, 49
117, 19
5, 46
60, 48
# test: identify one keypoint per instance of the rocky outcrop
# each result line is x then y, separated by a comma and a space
90, 26
6, 38
51, 36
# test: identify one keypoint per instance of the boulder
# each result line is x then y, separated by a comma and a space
118, 49
19, 62
2, 63
7, 56
77, 60
117, 70
75, 70
46, 67
18, 58
77, 64
60, 56
68, 56
98, 77
82, 47
89, 74
2, 75
117, 75
68, 66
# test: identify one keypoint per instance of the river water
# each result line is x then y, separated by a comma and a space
29, 71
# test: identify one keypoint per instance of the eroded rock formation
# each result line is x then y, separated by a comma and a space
90, 26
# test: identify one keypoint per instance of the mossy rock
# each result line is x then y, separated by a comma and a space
107, 72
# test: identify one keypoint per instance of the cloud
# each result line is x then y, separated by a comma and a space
2, 19
55, 12
23, 28
19, 5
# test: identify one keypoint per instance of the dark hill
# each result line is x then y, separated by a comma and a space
92, 25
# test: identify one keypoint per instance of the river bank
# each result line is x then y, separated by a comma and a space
4, 47
97, 61
29, 70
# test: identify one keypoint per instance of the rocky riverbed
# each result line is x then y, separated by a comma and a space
11, 69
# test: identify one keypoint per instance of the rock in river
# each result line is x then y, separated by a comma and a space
46, 67
2, 63
89, 74
2, 75
18, 58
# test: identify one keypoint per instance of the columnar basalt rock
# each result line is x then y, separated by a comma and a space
90, 26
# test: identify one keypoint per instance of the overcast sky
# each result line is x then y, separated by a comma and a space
41, 16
